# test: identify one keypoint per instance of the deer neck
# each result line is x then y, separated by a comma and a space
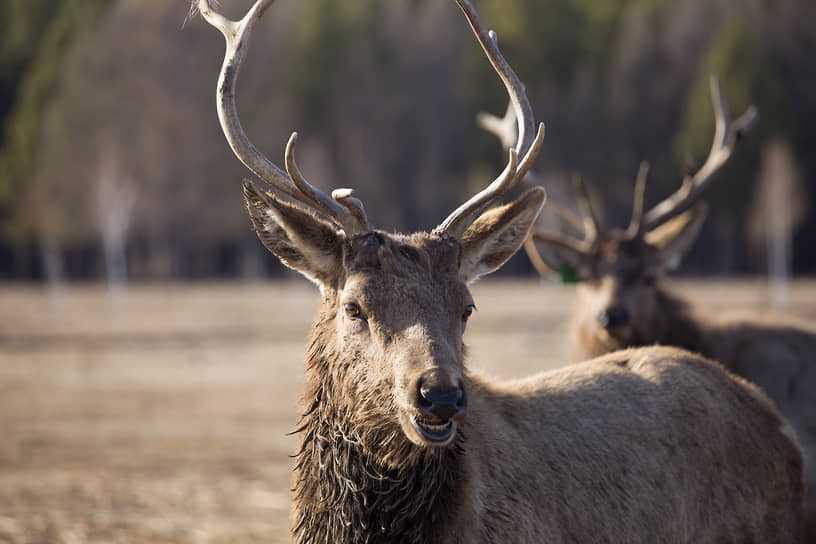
678, 325
353, 484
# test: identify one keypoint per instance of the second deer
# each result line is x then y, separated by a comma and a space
622, 300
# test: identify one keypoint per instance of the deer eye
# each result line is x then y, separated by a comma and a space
468, 312
649, 280
353, 311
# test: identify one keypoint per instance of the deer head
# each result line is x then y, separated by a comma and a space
388, 351
618, 269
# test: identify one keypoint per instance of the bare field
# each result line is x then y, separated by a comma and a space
159, 415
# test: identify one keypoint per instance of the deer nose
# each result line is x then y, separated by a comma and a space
442, 401
613, 317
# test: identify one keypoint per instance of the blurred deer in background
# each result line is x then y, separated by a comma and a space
401, 443
621, 300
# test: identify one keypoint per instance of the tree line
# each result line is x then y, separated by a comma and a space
112, 162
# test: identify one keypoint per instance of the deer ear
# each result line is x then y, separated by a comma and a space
300, 240
498, 234
674, 239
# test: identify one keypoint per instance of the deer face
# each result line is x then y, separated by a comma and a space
618, 299
618, 279
401, 314
617, 296
397, 307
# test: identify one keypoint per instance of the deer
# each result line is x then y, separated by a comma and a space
622, 300
400, 442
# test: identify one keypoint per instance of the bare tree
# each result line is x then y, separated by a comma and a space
779, 206
115, 199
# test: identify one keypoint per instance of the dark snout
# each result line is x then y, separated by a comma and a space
613, 317
440, 400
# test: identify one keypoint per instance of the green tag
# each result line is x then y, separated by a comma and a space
567, 274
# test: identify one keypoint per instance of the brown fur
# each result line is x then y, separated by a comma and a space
671, 322
621, 449
779, 356
625, 447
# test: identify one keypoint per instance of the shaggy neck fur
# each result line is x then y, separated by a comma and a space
357, 477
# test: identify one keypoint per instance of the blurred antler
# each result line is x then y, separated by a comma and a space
592, 225
504, 128
727, 135
639, 201
587, 224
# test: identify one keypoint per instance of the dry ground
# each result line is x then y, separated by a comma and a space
160, 415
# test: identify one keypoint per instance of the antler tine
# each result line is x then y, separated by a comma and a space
527, 147
345, 210
580, 246
353, 205
293, 189
515, 88
567, 216
727, 135
535, 257
587, 224
639, 200
456, 223
504, 128
576, 246
592, 225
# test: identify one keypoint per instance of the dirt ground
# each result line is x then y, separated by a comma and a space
159, 414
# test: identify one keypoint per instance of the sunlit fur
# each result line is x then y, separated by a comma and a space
620, 450
778, 355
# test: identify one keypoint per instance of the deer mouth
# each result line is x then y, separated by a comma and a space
435, 431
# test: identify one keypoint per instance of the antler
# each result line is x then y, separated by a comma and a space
639, 201
726, 136
341, 209
592, 225
505, 129
527, 147
588, 224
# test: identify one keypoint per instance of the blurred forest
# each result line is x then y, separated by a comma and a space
112, 163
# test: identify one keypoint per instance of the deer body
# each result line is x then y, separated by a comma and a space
639, 446
400, 443
621, 303
777, 355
